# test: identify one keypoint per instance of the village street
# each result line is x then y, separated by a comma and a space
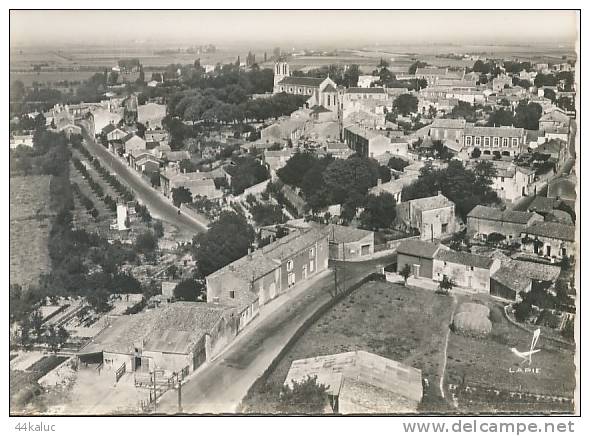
219, 386
157, 205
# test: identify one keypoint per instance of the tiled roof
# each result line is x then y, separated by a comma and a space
563, 232
494, 214
418, 248
429, 203
365, 91
108, 128
543, 204
175, 327
463, 258
510, 277
345, 234
394, 186
503, 132
268, 258
329, 88
303, 81
357, 372
448, 123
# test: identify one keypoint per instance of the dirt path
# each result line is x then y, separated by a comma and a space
443, 367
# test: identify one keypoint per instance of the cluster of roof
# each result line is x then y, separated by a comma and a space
463, 258
428, 203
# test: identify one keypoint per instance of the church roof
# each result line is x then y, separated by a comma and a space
303, 81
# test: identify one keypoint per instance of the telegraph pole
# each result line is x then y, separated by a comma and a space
155, 397
179, 396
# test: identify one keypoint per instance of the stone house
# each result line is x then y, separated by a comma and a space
549, 239
419, 255
172, 337
467, 270
133, 142
259, 277
349, 243
434, 217
506, 140
483, 220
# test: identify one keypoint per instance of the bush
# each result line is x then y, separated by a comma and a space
496, 315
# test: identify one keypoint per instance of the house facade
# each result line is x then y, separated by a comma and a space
419, 255
508, 141
433, 217
484, 220
350, 243
261, 276
467, 270
549, 239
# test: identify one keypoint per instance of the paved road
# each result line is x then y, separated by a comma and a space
158, 206
220, 386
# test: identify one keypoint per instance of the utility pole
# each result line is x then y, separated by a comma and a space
155, 397
179, 396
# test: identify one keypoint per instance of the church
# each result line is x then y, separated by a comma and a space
321, 92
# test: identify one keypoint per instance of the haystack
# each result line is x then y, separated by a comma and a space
472, 319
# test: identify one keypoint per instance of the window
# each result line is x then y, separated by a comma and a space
502, 178
291, 279
468, 141
504, 142
232, 294
444, 228
514, 142
311, 252
299, 90
477, 140
496, 141
289, 265
486, 141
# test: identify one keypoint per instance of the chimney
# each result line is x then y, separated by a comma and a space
379, 182
439, 192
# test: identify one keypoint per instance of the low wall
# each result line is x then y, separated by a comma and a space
320, 311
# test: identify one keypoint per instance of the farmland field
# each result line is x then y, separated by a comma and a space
29, 228
407, 325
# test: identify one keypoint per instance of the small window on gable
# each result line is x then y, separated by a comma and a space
232, 294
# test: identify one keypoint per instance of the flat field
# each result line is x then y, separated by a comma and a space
29, 228
403, 324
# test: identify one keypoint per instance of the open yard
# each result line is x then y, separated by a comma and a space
29, 228
403, 324
489, 363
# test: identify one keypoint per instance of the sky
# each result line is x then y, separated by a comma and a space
304, 27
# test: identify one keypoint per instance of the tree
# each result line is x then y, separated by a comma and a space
406, 272
98, 299
464, 110
146, 242
384, 173
181, 195
304, 397
37, 323
214, 249
527, 115
351, 76
445, 285
158, 228
267, 214
187, 166
397, 163
294, 171
406, 104
415, 66
17, 90
476, 153
379, 213
495, 238
522, 311
189, 290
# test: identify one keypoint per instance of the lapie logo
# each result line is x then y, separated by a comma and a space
527, 356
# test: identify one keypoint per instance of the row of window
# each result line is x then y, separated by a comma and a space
311, 256
488, 141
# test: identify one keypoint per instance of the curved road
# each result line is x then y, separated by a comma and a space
220, 385
158, 206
